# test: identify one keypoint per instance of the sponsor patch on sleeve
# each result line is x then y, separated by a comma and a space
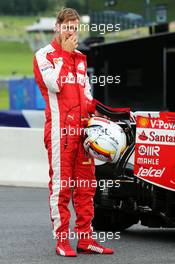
46, 68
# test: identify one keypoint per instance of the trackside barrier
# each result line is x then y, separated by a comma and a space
22, 118
23, 158
25, 94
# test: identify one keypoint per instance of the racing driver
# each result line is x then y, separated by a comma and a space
60, 71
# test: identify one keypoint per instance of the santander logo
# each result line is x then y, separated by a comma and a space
143, 136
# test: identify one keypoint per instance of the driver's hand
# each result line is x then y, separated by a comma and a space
71, 43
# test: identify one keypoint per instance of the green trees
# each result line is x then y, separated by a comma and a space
74, 4
34, 7
23, 7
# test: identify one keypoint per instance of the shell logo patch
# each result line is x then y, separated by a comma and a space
143, 121
57, 60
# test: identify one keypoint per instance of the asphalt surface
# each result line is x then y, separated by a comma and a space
25, 235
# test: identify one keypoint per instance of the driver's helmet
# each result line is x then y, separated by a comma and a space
104, 139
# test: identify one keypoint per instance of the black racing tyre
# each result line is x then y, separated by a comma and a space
112, 220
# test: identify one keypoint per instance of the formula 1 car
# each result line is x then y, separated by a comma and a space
144, 177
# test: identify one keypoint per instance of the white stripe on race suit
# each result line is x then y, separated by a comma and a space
87, 90
55, 141
49, 74
96, 249
62, 253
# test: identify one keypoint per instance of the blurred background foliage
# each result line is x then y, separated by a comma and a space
15, 15
49, 7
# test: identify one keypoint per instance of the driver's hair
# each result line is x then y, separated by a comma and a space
66, 14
